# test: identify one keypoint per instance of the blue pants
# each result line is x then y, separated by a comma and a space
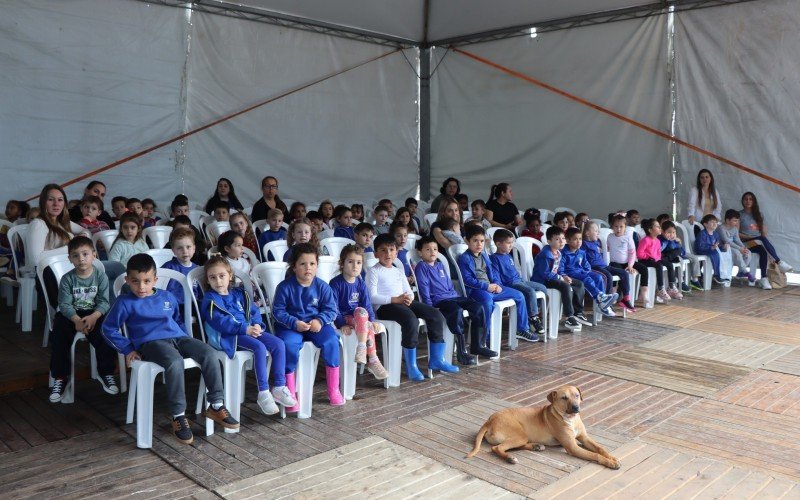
487, 300
714, 256
451, 310
592, 283
608, 273
528, 290
260, 346
762, 250
326, 339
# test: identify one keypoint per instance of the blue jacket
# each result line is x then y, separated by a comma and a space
704, 242
176, 288
154, 317
594, 254
504, 265
295, 302
225, 317
543, 266
349, 296
268, 236
576, 265
671, 245
344, 232
433, 283
467, 265
401, 254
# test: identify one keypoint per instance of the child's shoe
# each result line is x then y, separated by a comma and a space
662, 296
726, 283
685, 288
222, 416
696, 285
528, 336
290, 386
675, 293
572, 324
377, 370
267, 403
608, 312
109, 384
182, 430
751, 280
436, 359
332, 379
718, 280
283, 396
582, 319
538, 326
764, 284
361, 354
57, 392
605, 301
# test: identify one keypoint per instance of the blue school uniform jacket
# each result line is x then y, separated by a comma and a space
704, 241
576, 265
176, 288
268, 236
401, 254
433, 283
671, 245
467, 266
544, 267
344, 232
349, 296
504, 265
594, 254
225, 317
295, 302
154, 317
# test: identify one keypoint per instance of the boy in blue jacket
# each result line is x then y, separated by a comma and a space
576, 265
154, 334
707, 242
483, 284
181, 241
548, 269
507, 272
436, 289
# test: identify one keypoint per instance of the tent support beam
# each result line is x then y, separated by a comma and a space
425, 123
653, 9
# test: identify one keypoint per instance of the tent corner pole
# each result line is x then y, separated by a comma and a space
425, 122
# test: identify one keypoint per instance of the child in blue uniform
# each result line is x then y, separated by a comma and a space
576, 266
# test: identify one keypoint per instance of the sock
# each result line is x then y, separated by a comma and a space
373, 357
176, 417
216, 406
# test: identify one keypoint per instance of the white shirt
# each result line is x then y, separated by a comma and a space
697, 211
383, 283
39, 239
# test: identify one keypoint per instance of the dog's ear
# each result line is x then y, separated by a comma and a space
579, 392
552, 396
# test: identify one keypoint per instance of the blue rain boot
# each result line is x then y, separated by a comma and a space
436, 359
413, 373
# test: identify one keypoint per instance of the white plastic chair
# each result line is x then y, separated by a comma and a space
327, 267
215, 229
259, 226
269, 275
496, 321
412, 241
601, 223
198, 217
16, 239
522, 254
144, 373
277, 249
333, 246
490, 247
565, 209
46, 259
702, 263
157, 235
161, 256
429, 220
25, 278
545, 215
106, 238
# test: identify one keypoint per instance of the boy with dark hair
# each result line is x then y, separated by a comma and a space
463, 202
393, 300
82, 302
708, 243
548, 269
364, 234
561, 219
154, 334
148, 207
483, 283
386, 202
411, 205
663, 217
118, 206
134, 205
222, 212
315, 218
91, 208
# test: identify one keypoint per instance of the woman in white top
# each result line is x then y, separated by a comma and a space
704, 198
52, 229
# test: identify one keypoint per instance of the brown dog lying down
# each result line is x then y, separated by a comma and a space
534, 428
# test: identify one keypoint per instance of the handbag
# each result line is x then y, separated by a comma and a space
776, 277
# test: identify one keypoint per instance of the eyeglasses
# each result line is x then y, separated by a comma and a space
269, 186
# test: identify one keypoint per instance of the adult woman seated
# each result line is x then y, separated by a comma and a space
269, 200
448, 209
753, 233
703, 199
501, 212
224, 193
450, 188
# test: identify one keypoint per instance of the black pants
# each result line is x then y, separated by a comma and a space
61, 343
638, 266
409, 324
660, 265
451, 310
571, 295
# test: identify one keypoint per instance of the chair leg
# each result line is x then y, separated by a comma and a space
144, 405
512, 328
69, 390
544, 308
392, 353
93, 363
132, 392
554, 312
306, 373
348, 345
123, 373
496, 331
27, 299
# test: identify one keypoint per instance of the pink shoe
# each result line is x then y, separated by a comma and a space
675, 293
663, 295
332, 378
290, 384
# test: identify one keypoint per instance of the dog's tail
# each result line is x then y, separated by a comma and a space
478, 440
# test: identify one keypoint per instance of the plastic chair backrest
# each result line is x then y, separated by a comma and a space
455, 251
687, 235
164, 277
412, 241
638, 229
490, 246
277, 249
198, 218
197, 275
333, 246
160, 255
604, 232
16, 238
565, 209
251, 256
325, 234
601, 223
216, 228
106, 237
158, 235
430, 219
522, 253
545, 215
327, 267
268, 275
465, 215
259, 225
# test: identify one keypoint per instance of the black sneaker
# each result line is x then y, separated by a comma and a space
181, 429
696, 285
686, 288
484, 352
582, 319
537, 324
572, 324
109, 384
222, 417
528, 336
57, 392
718, 280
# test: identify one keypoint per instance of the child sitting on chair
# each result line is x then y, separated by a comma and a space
594, 256
381, 220
390, 292
548, 269
355, 309
233, 323
708, 243
222, 212
364, 235
672, 252
240, 224
181, 241
576, 266
344, 220
452, 231
129, 241
299, 232
91, 207
411, 204
82, 302
155, 335
729, 234
479, 214
148, 209
399, 232
230, 246
276, 230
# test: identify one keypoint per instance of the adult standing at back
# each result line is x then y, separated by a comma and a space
224, 193
450, 188
704, 198
94, 188
501, 210
269, 200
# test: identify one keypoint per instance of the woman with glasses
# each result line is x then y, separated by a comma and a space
269, 200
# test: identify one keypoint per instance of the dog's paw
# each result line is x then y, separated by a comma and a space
612, 463
538, 447
512, 460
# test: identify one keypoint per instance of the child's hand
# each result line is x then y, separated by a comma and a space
400, 299
131, 357
567, 280
630, 270
408, 299
494, 288
254, 330
88, 323
745, 251
346, 330
302, 326
315, 326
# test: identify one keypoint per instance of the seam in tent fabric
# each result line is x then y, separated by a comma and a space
215, 122
625, 119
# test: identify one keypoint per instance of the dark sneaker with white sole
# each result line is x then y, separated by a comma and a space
57, 391
182, 430
528, 336
582, 319
109, 384
223, 417
537, 324
572, 324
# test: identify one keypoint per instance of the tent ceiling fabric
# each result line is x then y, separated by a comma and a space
446, 18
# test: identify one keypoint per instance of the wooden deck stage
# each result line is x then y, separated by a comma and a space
701, 397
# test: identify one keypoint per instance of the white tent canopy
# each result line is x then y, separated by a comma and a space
84, 83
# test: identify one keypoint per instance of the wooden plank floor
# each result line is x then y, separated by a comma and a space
675, 315
764, 390
788, 363
680, 373
762, 329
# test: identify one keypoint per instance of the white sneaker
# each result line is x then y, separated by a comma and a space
283, 396
763, 283
784, 267
267, 404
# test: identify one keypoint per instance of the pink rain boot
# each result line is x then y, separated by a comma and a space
291, 386
332, 377
361, 326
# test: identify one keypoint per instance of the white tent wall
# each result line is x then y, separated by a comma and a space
353, 136
84, 83
738, 81
489, 127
